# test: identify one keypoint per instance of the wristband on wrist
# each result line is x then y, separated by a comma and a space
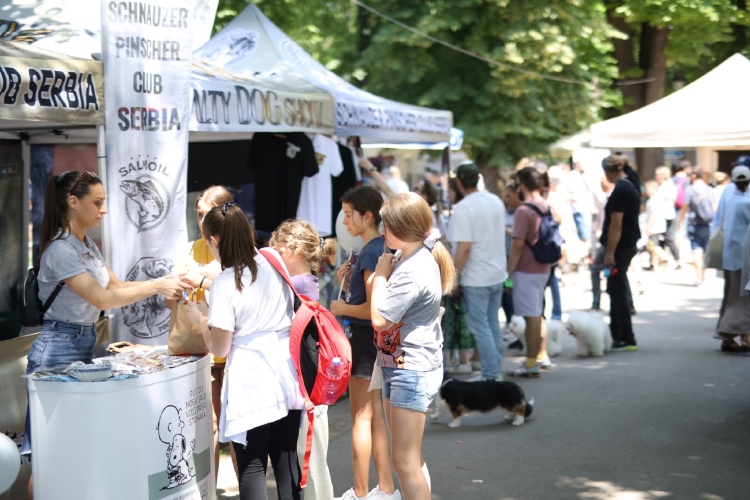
201, 283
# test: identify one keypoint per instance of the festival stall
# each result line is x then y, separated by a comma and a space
709, 114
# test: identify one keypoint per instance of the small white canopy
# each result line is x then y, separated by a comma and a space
252, 47
712, 111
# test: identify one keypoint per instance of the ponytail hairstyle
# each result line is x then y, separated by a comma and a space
59, 189
214, 196
365, 199
236, 240
408, 217
301, 238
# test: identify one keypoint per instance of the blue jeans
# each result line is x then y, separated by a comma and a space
581, 226
57, 346
482, 307
554, 287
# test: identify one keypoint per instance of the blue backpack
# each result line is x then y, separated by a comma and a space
548, 248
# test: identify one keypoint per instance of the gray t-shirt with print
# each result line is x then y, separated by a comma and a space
64, 258
412, 302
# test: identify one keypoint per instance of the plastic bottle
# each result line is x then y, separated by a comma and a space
609, 271
330, 388
508, 283
348, 328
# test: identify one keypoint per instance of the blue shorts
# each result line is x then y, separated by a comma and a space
699, 236
57, 346
411, 389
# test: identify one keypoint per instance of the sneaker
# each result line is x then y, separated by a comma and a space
460, 370
545, 364
376, 493
621, 345
508, 335
480, 378
350, 495
522, 371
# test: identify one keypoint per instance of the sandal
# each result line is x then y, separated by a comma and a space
731, 346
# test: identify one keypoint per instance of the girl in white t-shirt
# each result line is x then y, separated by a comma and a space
405, 310
250, 317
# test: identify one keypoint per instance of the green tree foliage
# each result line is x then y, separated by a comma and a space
600, 44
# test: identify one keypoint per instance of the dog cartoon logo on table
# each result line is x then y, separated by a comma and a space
179, 450
147, 203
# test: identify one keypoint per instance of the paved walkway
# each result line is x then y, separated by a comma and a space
669, 421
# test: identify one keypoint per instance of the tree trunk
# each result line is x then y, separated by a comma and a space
491, 174
653, 61
625, 56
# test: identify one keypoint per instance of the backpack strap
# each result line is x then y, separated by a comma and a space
51, 298
306, 315
538, 212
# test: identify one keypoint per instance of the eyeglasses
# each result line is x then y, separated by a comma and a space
80, 178
226, 207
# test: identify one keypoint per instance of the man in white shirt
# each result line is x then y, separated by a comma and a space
478, 236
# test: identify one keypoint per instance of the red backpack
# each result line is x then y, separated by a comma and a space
316, 338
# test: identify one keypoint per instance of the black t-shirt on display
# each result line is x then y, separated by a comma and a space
343, 183
279, 162
627, 200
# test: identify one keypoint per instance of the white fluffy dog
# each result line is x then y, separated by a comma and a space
555, 333
591, 332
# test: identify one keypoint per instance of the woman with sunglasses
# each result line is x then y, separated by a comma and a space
73, 204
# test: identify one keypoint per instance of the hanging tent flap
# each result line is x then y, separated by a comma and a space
38, 85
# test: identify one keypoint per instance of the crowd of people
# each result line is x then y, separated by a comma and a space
410, 319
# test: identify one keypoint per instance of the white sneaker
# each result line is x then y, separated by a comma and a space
545, 364
376, 493
350, 495
480, 378
460, 370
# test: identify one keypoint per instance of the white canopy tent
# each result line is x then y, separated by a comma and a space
711, 111
251, 46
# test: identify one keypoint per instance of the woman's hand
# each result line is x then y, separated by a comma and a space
193, 278
341, 274
337, 307
171, 287
385, 266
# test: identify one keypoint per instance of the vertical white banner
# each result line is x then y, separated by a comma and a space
147, 51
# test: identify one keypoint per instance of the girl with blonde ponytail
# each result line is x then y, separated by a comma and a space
405, 310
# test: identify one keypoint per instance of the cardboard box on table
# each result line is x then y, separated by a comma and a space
144, 438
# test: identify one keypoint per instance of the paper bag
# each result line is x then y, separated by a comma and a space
186, 326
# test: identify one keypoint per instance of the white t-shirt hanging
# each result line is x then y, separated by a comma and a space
315, 199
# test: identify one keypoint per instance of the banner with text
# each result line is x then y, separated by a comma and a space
229, 106
147, 66
36, 85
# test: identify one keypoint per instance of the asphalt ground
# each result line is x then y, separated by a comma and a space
671, 420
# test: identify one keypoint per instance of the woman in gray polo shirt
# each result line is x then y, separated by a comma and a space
74, 203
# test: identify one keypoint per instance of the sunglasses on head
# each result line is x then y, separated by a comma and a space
80, 178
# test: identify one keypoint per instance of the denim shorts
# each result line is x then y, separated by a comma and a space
57, 346
699, 236
411, 389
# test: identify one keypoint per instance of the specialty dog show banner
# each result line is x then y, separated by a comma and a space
147, 66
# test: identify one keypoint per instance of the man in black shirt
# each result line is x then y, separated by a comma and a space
620, 234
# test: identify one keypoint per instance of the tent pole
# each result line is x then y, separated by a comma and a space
101, 154
26, 159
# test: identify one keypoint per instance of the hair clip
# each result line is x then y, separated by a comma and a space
322, 243
226, 207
